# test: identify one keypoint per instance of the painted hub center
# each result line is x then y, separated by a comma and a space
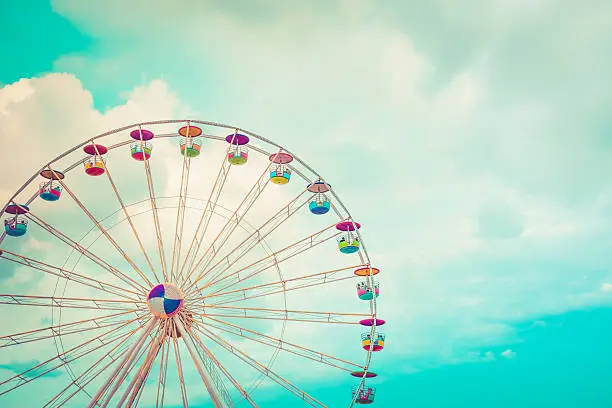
165, 300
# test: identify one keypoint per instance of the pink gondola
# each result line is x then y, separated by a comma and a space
94, 164
50, 190
363, 395
141, 149
239, 152
280, 173
365, 292
348, 242
191, 143
16, 225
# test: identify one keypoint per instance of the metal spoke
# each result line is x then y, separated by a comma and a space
94, 374
289, 289
207, 214
271, 288
180, 211
221, 368
123, 378
137, 384
179, 366
237, 253
259, 367
161, 347
122, 369
216, 390
156, 223
69, 275
280, 314
163, 370
232, 223
127, 215
61, 360
84, 251
103, 230
82, 387
276, 343
277, 257
61, 330
72, 303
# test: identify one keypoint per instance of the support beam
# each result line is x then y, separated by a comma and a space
214, 396
129, 358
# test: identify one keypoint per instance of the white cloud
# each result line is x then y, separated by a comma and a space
509, 354
489, 356
438, 169
606, 287
539, 323
14, 93
42, 117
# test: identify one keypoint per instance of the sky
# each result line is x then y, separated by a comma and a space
471, 140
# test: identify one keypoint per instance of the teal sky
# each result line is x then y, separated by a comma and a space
479, 131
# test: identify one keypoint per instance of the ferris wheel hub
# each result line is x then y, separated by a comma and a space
165, 300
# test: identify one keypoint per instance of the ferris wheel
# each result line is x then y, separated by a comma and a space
204, 272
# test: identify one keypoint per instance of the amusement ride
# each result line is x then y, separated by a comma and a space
130, 292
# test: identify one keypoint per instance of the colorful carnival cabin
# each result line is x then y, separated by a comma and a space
365, 292
141, 149
16, 225
94, 164
377, 344
239, 152
191, 143
363, 394
50, 190
280, 173
348, 242
319, 204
